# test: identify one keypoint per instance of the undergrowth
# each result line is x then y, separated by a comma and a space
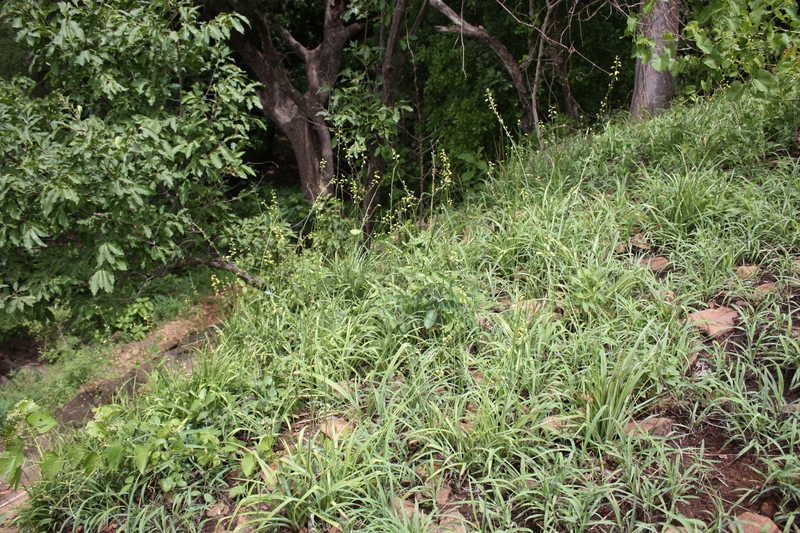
483, 373
77, 349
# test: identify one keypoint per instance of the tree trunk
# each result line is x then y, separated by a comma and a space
559, 52
653, 90
391, 66
297, 114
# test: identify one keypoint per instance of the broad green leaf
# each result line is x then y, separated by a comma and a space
763, 81
50, 465
141, 455
41, 421
703, 42
102, 279
248, 464
430, 318
114, 455
90, 462
735, 91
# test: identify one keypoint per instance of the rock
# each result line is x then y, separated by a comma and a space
553, 422
656, 264
407, 509
639, 241
665, 295
218, 509
443, 496
467, 423
452, 522
714, 322
748, 271
769, 508
754, 523
760, 291
653, 425
334, 427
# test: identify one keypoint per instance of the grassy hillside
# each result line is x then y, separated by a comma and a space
527, 362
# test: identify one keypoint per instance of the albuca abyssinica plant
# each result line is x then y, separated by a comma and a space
518, 365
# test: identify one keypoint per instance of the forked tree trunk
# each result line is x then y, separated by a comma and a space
297, 114
311, 143
653, 90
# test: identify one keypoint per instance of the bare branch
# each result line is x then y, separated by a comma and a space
478, 33
292, 43
230, 267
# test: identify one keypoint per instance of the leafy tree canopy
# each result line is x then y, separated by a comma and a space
122, 166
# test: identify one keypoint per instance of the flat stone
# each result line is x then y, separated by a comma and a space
754, 523
656, 264
653, 425
748, 271
553, 421
443, 496
408, 509
639, 241
714, 322
452, 522
334, 427
764, 289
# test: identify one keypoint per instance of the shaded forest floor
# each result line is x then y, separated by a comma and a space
611, 343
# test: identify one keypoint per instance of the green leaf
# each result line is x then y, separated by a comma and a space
102, 279
90, 462
167, 484
763, 81
114, 455
735, 91
430, 318
41, 421
11, 462
141, 454
248, 464
50, 465
703, 42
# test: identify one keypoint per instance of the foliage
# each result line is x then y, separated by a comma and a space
122, 167
755, 40
734, 41
27, 421
15, 56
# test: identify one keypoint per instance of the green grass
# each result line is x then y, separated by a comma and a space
501, 353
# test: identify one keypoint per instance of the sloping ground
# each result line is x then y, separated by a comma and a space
171, 344
606, 345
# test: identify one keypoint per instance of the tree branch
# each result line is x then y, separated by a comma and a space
292, 43
230, 267
389, 69
462, 27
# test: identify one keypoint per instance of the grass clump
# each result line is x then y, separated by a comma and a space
526, 363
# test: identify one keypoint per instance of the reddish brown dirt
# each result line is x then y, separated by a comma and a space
735, 480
